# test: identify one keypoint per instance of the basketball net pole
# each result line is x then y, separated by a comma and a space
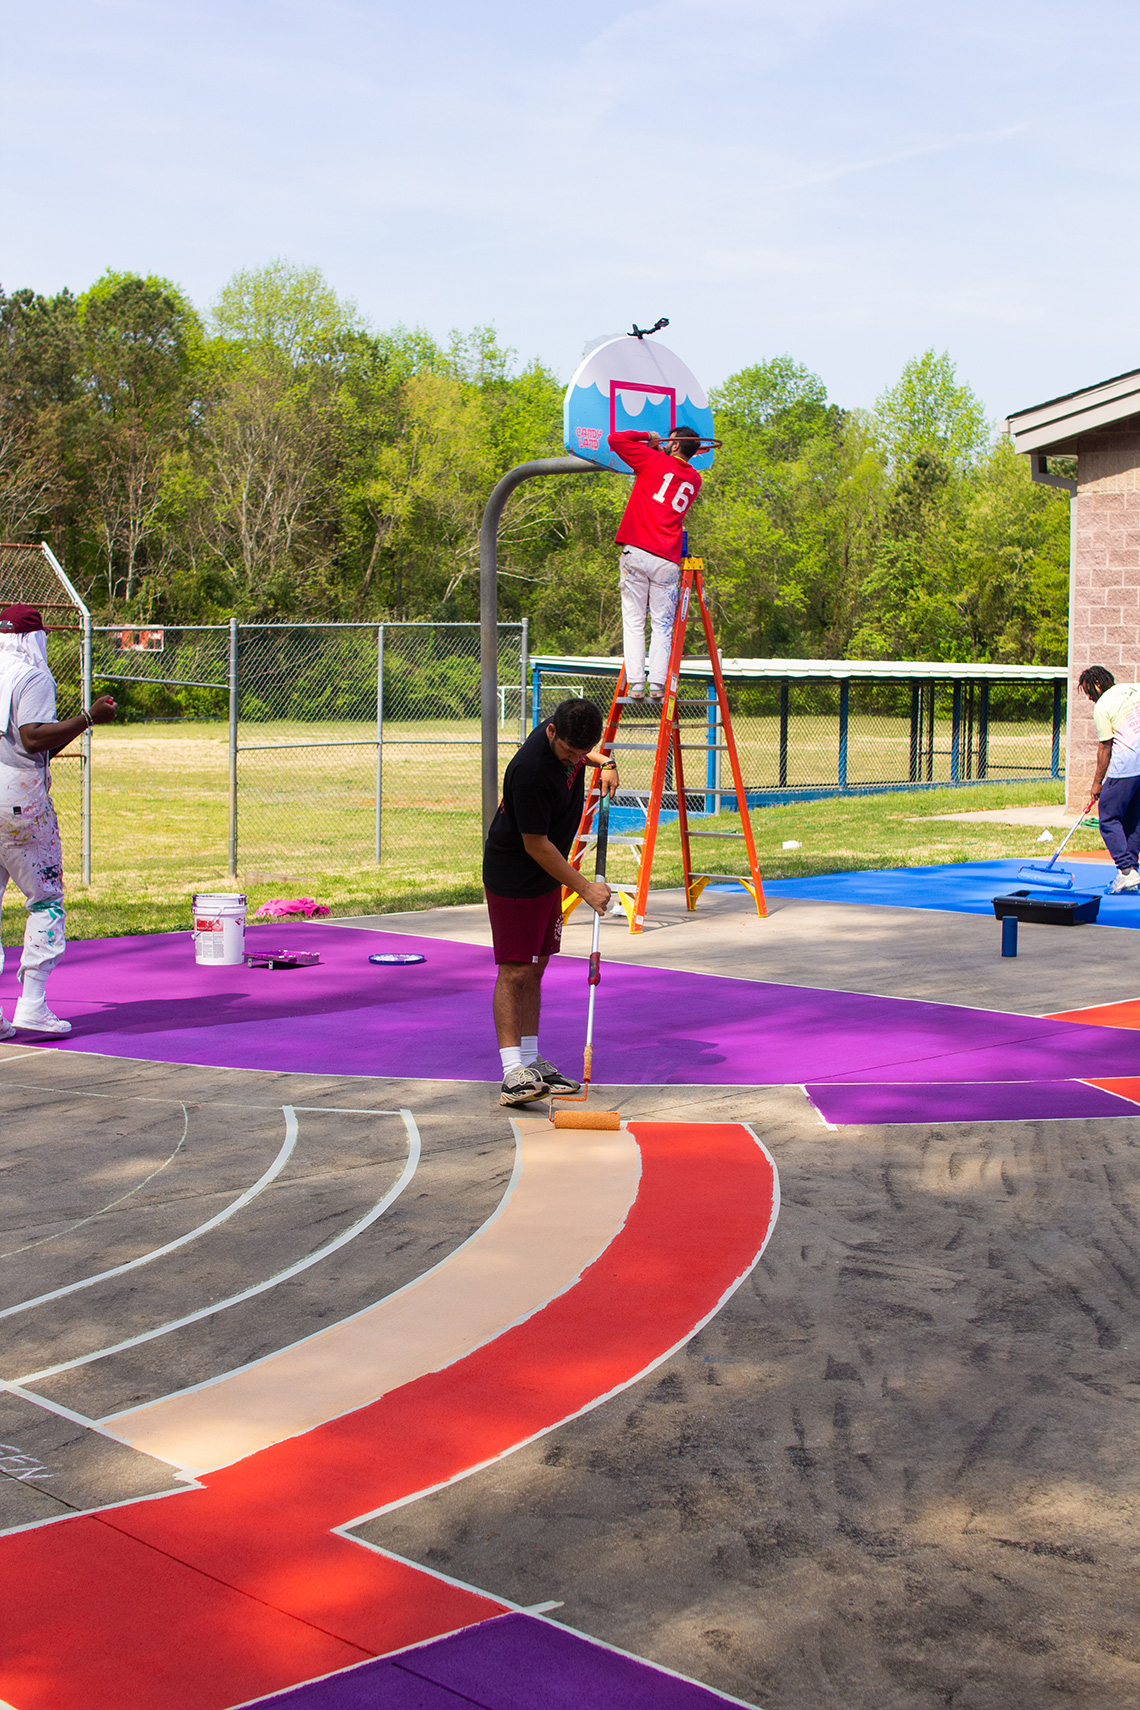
669, 746
489, 611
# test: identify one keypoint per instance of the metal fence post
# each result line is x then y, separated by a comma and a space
844, 710
233, 747
956, 732
1056, 765
914, 712
535, 696
711, 738
85, 798
783, 733
984, 731
379, 736
524, 662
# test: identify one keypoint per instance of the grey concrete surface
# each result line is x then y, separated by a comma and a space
51, 1466
896, 1472
891, 952
52, 1107
1055, 814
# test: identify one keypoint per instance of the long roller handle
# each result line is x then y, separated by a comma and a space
1072, 828
595, 973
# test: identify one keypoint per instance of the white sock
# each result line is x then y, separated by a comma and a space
529, 1048
33, 984
512, 1057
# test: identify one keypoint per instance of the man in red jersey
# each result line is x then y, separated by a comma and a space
650, 539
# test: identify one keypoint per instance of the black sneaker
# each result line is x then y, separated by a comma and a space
521, 1085
556, 1082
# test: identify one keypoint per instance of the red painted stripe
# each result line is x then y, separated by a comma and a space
1124, 1086
1125, 1014
260, 1531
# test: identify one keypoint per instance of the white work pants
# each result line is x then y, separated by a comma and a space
31, 854
648, 584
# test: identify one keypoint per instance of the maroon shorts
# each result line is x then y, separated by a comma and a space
525, 929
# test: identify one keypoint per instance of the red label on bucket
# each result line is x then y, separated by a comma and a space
207, 926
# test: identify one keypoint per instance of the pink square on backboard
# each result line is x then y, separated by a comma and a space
617, 386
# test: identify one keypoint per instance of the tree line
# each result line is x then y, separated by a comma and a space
278, 459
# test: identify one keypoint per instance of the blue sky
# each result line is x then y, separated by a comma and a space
851, 181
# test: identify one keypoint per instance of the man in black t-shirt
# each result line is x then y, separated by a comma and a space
524, 870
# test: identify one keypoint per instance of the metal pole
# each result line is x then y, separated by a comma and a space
844, 710
489, 610
535, 696
1056, 759
233, 746
379, 735
930, 687
524, 665
711, 737
914, 694
85, 804
984, 732
956, 733
783, 732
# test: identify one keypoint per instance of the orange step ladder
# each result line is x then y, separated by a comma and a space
669, 748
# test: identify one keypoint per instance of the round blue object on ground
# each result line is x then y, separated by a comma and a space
397, 959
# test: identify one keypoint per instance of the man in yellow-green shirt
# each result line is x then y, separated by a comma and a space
1116, 781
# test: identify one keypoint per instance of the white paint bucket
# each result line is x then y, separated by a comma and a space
219, 928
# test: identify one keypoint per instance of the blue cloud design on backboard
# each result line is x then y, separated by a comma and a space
637, 385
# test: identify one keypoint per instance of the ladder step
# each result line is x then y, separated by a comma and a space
649, 747
693, 833
704, 747
732, 878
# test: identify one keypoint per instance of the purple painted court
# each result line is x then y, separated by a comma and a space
862, 1058
513, 1663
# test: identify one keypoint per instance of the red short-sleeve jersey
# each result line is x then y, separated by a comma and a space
663, 490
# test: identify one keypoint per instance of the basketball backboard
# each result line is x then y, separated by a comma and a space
627, 382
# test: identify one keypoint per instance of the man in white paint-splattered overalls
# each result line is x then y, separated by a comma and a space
30, 851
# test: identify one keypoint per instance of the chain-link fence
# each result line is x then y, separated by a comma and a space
805, 736
272, 750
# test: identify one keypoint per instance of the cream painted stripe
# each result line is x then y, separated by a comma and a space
293, 1270
284, 1154
573, 1195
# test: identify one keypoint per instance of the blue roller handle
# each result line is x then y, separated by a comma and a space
1009, 935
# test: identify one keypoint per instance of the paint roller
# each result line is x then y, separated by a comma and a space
1041, 872
590, 1118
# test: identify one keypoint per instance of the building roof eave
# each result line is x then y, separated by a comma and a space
1054, 425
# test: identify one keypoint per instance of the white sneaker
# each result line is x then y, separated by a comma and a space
6, 1028
40, 1020
1125, 882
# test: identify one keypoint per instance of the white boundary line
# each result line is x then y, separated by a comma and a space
220, 1377
263, 1181
370, 1217
13, 1252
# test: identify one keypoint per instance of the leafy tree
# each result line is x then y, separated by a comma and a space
929, 409
137, 339
285, 312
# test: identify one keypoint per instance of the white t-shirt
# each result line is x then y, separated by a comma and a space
32, 703
1117, 718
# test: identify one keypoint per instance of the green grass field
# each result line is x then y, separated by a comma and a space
307, 822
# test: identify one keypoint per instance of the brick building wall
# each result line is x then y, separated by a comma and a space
1105, 595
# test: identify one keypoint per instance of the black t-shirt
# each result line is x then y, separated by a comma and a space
541, 796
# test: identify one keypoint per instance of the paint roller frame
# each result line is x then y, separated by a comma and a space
610, 1119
